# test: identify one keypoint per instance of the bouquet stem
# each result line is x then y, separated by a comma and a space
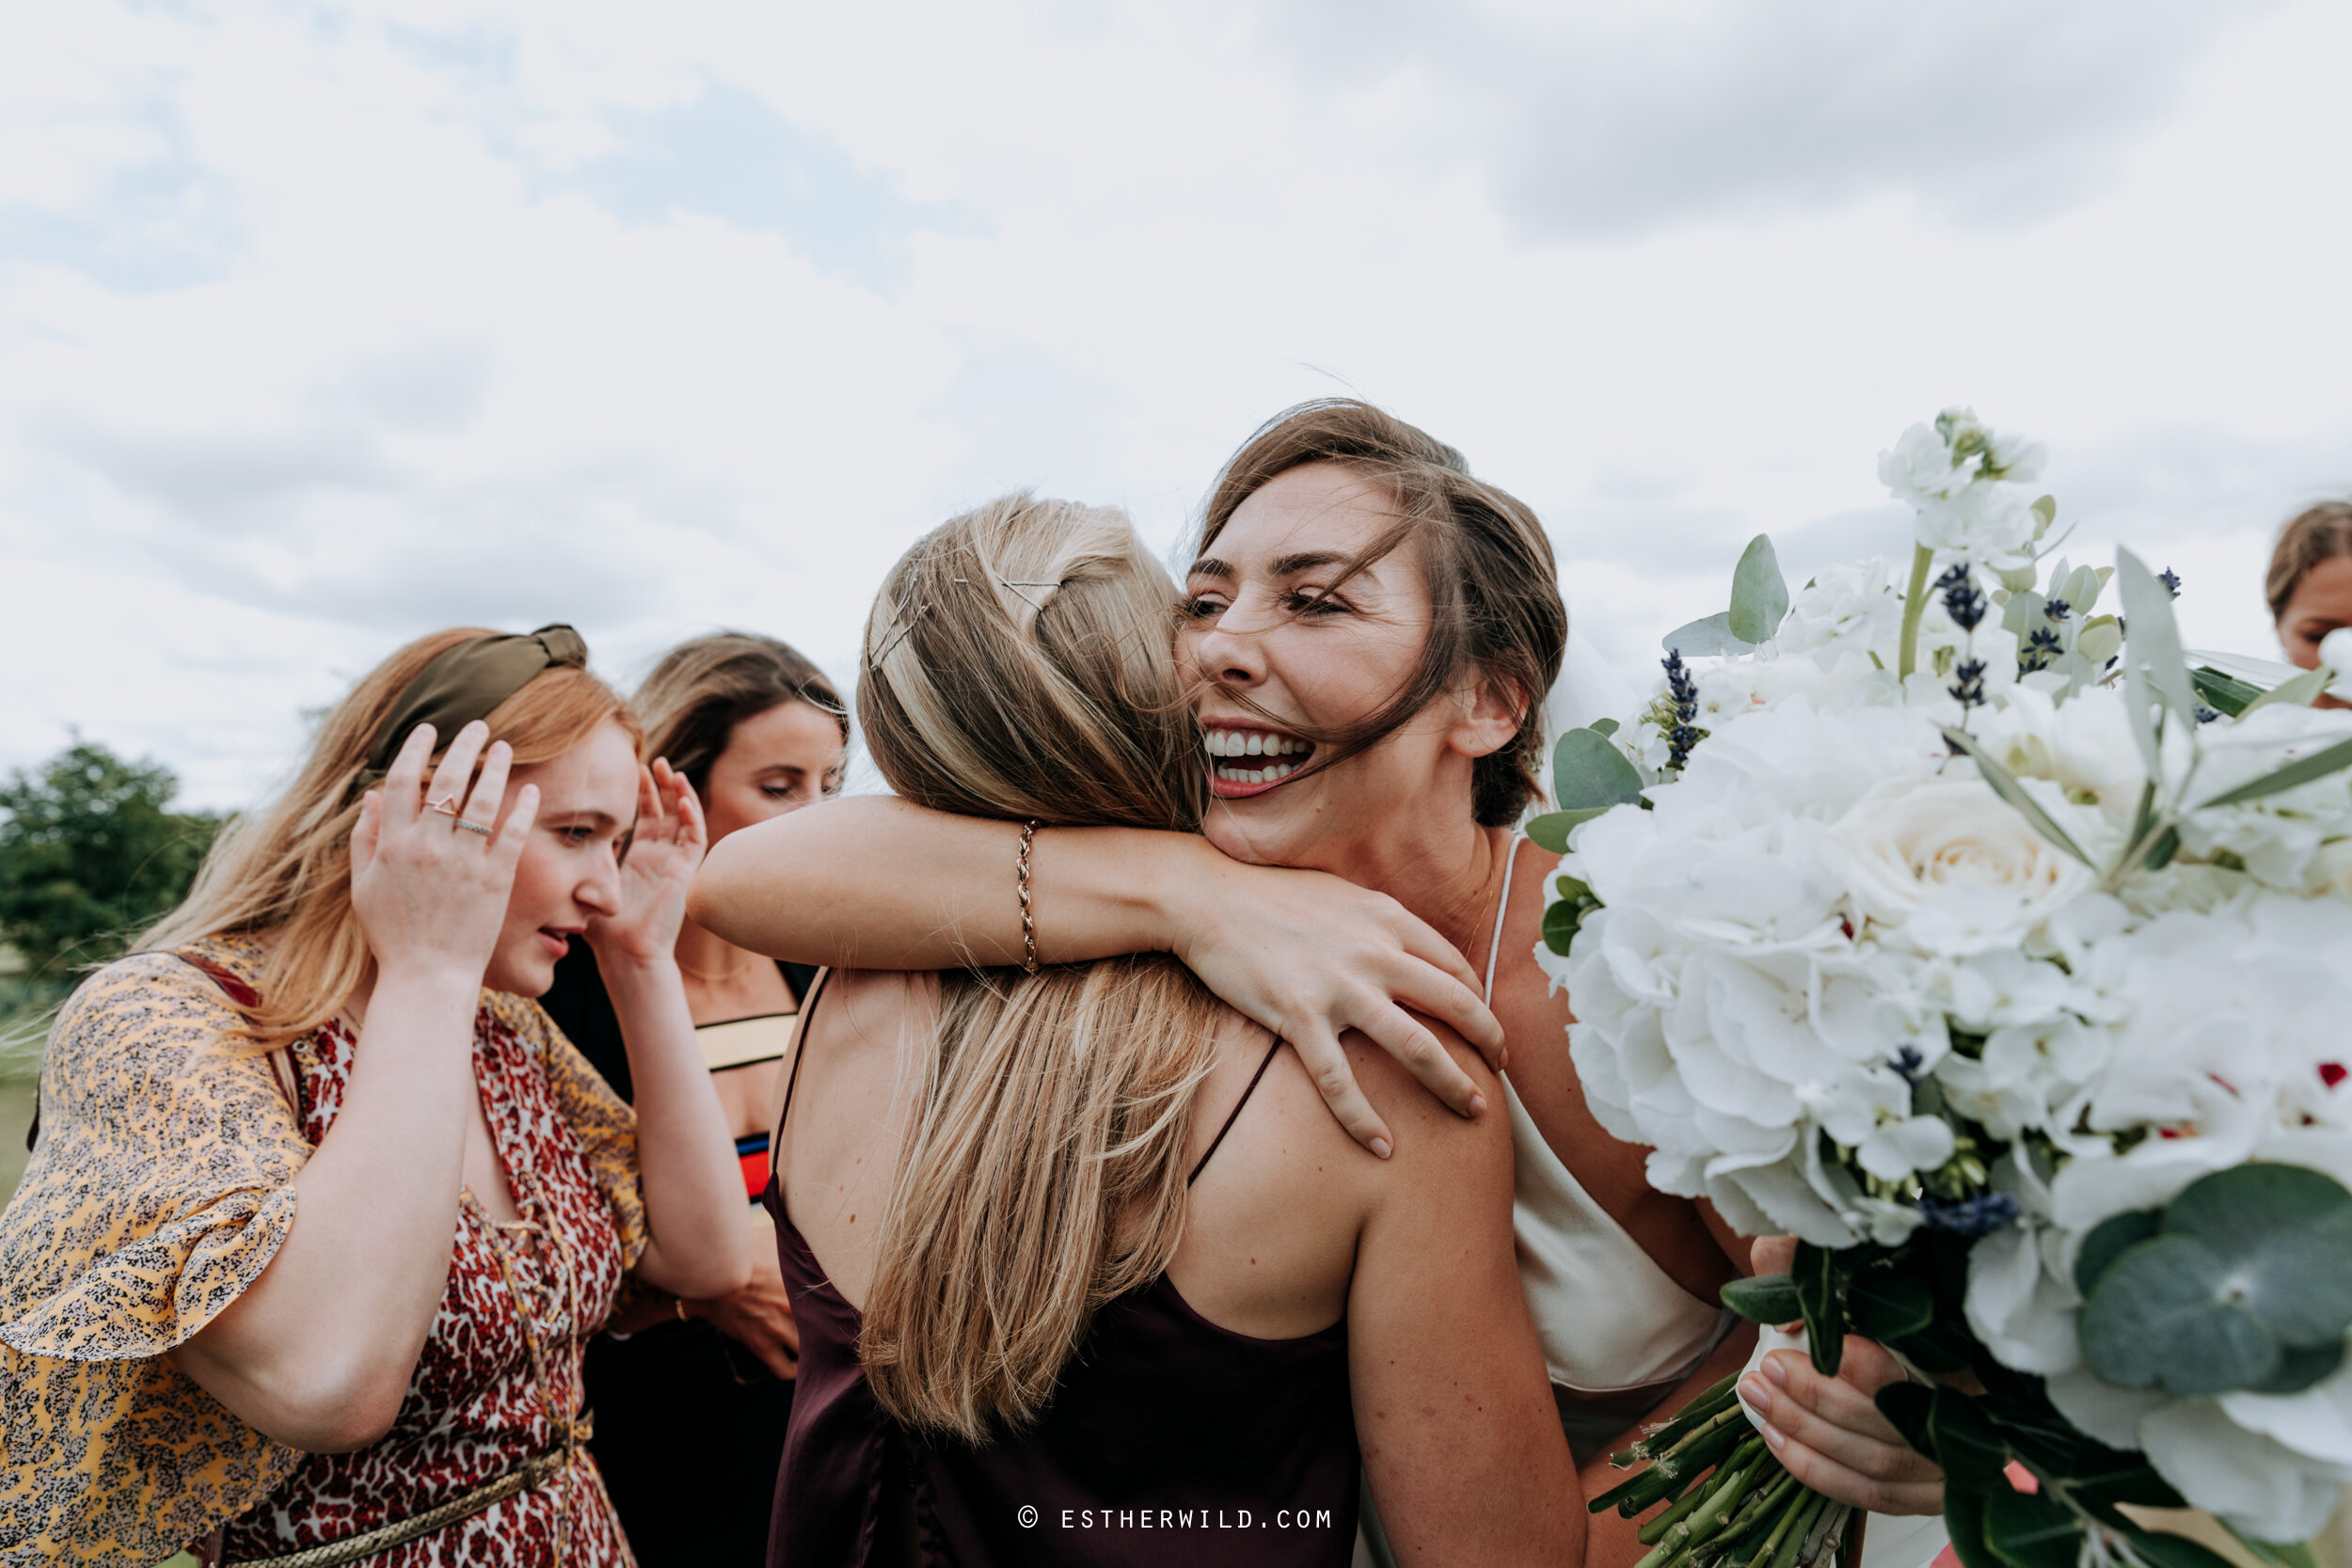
1746, 1513
1914, 606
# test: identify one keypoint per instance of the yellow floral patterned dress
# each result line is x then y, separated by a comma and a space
161, 1188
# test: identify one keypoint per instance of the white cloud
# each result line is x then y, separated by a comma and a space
319, 328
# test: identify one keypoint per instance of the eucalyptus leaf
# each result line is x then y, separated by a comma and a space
1770, 1298
1551, 830
2301, 771
2108, 1240
2023, 612
2028, 1531
1563, 920
2154, 644
2285, 1232
2300, 1369
1587, 771
1706, 637
2168, 1314
2299, 691
1603, 726
2005, 784
1759, 596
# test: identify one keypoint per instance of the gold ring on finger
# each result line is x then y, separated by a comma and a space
446, 805
473, 827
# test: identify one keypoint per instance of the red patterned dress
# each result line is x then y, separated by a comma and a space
163, 1185
499, 1381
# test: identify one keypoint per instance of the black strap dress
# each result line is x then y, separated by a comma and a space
689, 1425
1171, 1442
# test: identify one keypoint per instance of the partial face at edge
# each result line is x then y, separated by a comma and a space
775, 761
570, 870
1268, 617
2321, 603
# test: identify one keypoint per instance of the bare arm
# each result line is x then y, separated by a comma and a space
700, 1235
318, 1351
875, 882
1453, 1409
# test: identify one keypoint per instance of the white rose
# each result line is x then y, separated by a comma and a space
1950, 864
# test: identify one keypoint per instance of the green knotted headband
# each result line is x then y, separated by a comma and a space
465, 683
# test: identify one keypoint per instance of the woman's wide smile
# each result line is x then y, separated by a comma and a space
1250, 758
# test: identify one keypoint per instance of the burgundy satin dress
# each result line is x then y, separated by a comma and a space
1172, 1442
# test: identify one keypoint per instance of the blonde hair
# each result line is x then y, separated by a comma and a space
1018, 665
705, 687
2320, 534
285, 870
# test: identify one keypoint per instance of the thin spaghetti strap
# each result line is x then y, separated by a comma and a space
1236, 1114
800, 1045
1502, 908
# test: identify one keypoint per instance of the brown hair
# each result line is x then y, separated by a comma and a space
286, 868
703, 688
2318, 534
1495, 604
1017, 664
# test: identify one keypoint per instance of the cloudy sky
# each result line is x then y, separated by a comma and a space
323, 325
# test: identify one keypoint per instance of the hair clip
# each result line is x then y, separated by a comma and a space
900, 636
1014, 585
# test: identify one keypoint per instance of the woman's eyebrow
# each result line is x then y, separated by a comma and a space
1210, 566
1308, 560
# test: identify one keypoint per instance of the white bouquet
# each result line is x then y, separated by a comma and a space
1970, 934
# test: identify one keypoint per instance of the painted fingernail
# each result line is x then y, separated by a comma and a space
1478, 1104
1380, 1147
1771, 1435
1755, 1396
1774, 1369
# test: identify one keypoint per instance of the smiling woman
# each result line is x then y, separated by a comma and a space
324, 1206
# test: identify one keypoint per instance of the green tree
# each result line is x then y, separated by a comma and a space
90, 854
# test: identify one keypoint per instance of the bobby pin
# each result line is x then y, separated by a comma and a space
900, 636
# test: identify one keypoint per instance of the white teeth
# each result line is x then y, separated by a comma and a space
1253, 743
1275, 774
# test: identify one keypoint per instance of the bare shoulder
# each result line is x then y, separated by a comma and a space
1429, 1137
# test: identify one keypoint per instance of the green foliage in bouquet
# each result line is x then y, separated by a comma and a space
2242, 1281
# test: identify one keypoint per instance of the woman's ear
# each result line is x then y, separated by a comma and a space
1491, 719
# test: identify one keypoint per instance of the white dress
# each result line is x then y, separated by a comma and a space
1615, 1328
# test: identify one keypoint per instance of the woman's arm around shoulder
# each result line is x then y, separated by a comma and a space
1454, 1409
876, 882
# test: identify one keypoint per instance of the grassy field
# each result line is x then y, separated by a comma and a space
16, 1115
